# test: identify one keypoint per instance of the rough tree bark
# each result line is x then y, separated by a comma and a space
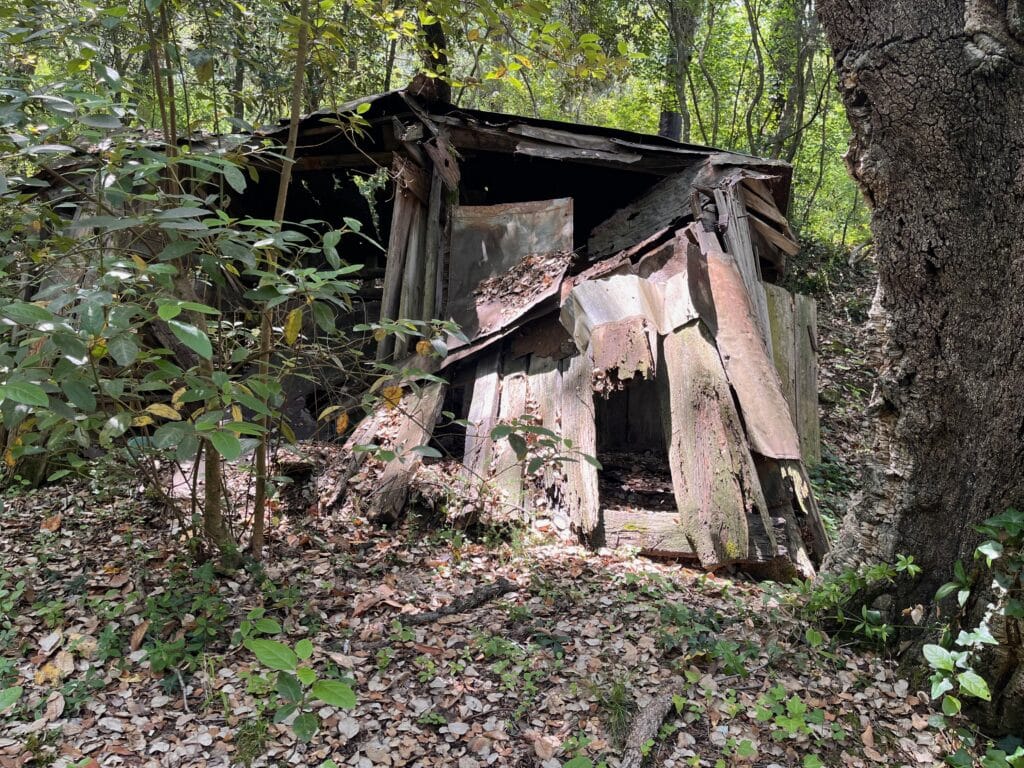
934, 90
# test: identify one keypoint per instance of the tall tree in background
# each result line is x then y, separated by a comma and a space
681, 19
934, 90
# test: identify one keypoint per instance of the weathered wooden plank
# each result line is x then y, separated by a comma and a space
623, 349
350, 160
401, 224
411, 291
483, 415
419, 414
572, 153
776, 238
750, 370
812, 528
806, 378
785, 513
667, 202
506, 469
432, 245
764, 206
703, 437
441, 156
657, 534
579, 485
543, 382
565, 138
733, 219
781, 319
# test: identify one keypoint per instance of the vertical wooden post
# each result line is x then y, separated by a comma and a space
580, 492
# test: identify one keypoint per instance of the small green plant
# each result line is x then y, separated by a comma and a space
251, 740
430, 717
297, 686
617, 707
787, 714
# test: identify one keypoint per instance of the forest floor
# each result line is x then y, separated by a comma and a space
541, 654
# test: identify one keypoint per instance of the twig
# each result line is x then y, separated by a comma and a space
184, 693
474, 599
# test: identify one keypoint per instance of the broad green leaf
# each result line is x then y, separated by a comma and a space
168, 311
8, 696
273, 654
235, 178
304, 649
123, 349
268, 626
100, 121
289, 688
26, 314
306, 675
226, 443
79, 394
950, 706
580, 761
972, 683
335, 693
192, 337
938, 657
24, 392
305, 726
426, 451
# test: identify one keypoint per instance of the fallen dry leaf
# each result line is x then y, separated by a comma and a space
138, 635
50, 524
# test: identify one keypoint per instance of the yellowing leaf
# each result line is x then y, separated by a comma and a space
48, 673
328, 411
392, 397
164, 411
9, 459
379, 334
176, 397
423, 348
143, 420
236, 413
293, 325
99, 349
341, 423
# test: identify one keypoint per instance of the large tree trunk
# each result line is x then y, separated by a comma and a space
935, 92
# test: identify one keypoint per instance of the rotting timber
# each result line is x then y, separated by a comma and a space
614, 288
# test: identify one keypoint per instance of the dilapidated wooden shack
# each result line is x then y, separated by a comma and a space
614, 289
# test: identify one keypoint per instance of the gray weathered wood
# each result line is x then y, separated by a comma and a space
776, 238
543, 382
579, 487
658, 534
483, 415
667, 202
806, 378
506, 469
432, 247
401, 221
781, 319
419, 415
704, 439
732, 217
411, 293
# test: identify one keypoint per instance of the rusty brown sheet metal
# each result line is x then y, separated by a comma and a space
751, 373
505, 261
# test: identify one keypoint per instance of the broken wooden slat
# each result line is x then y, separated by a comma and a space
440, 152
572, 153
506, 469
776, 238
623, 349
401, 223
806, 378
733, 219
704, 439
544, 379
483, 415
655, 534
565, 138
750, 370
785, 513
579, 483
665, 204
419, 412
432, 244
781, 319
812, 528
410, 302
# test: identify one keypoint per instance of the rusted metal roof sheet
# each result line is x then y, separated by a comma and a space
751, 373
505, 261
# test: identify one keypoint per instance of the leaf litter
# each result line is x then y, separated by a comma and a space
527, 651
